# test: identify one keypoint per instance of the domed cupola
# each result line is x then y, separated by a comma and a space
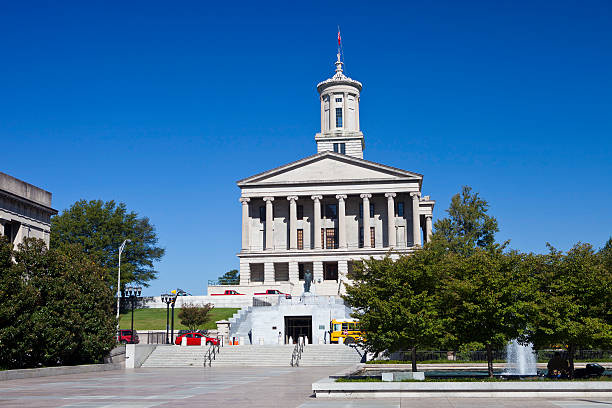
340, 115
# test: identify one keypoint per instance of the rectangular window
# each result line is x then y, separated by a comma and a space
338, 117
300, 239
400, 209
342, 148
372, 237
330, 238
339, 100
300, 212
330, 271
331, 211
336, 148
323, 238
360, 237
262, 213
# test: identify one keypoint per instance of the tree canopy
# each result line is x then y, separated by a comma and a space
397, 303
468, 226
194, 316
487, 299
100, 228
55, 307
230, 278
574, 293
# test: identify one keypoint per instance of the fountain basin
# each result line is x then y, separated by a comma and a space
329, 388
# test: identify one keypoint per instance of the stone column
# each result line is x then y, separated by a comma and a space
317, 273
269, 272
294, 272
416, 221
245, 272
391, 220
269, 223
332, 112
341, 221
366, 219
317, 220
322, 114
292, 222
428, 230
342, 276
245, 222
345, 111
357, 112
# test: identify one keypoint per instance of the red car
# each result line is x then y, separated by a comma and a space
227, 292
273, 292
125, 337
195, 339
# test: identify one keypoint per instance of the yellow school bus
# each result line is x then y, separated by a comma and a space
347, 329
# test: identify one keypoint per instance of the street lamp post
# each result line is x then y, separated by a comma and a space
133, 293
172, 330
167, 299
119, 282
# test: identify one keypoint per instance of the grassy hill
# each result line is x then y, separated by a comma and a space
155, 319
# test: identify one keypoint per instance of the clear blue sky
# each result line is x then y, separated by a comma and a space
165, 105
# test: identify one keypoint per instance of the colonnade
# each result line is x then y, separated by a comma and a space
342, 230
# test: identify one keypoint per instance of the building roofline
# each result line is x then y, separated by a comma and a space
317, 156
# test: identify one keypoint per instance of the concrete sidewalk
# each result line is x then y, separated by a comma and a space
251, 387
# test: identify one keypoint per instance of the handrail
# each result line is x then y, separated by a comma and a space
212, 352
297, 352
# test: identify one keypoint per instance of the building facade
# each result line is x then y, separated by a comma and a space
325, 211
25, 210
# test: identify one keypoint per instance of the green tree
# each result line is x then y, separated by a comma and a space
574, 301
100, 228
194, 316
396, 302
467, 227
605, 255
487, 299
56, 308
230, 278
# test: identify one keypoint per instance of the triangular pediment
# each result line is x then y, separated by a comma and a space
329, 167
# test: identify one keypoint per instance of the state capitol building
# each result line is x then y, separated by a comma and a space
327, 210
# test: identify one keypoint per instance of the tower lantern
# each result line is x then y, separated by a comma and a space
339, 97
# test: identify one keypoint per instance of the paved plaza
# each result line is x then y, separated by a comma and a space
222, 387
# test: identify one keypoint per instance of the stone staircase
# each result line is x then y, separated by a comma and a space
254, 356
330, 355
176, 356
278, 355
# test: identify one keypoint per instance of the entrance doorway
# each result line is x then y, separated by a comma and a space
298, 326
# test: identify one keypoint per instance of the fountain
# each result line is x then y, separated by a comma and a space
521, 360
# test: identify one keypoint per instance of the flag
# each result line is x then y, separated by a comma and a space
339, 37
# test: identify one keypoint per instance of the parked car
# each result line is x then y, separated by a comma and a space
227, 292
273, 292
195, 339
125, 337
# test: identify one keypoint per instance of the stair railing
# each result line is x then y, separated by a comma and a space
297, 352
212, 352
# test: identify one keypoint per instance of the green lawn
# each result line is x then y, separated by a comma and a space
155, 319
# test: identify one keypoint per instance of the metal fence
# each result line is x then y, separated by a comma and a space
481, 355
157, 337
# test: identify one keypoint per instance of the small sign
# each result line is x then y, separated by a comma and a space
321, 327
273, 327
